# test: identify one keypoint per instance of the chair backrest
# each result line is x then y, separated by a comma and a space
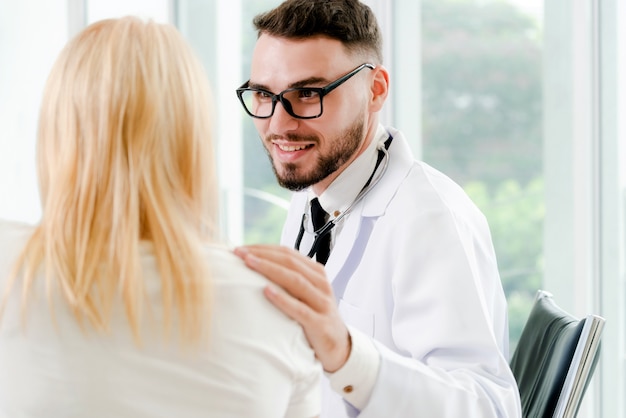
555, 359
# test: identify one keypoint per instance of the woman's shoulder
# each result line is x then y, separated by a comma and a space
14, 228
13, 238
239, 300
241, 308
13, 235
239, 291
227, 268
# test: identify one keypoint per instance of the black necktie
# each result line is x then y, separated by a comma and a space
322, 244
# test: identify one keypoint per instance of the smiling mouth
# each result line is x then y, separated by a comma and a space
291, 148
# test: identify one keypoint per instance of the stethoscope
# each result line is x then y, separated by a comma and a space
383, 157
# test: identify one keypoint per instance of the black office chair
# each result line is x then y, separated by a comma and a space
555, 359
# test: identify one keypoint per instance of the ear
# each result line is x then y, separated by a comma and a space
379, 88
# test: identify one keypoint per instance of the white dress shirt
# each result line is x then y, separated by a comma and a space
255, 363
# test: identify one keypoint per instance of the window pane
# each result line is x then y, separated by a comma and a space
265, 202
482, 107
26, 56
252, 204
153, 9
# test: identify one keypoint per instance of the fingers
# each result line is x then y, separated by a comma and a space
293, 308
304, 294
325, 331
301, 277
285, 256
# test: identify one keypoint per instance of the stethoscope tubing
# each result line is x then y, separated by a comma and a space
371, 183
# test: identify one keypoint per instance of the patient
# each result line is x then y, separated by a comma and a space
121, 302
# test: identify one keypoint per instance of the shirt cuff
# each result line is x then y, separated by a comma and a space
355, 380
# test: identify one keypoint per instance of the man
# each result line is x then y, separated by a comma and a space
408, 315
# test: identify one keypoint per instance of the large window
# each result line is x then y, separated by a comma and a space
482, 125
521, 102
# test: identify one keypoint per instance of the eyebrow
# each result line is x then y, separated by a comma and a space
302, 83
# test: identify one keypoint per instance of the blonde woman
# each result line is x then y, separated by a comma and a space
120, 303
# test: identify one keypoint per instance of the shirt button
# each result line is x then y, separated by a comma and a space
348, 389
336, 213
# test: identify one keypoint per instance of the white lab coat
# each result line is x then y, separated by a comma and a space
414, 268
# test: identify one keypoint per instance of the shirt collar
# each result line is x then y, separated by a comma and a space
345, 188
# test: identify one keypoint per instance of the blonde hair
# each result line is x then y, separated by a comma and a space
125, 154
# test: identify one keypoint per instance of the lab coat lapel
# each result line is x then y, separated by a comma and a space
359, 224
344, 243
292, 223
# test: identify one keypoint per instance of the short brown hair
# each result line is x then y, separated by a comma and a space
349, 21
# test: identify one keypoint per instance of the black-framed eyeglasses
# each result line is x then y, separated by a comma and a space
299, 102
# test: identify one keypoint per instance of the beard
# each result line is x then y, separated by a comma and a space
342, 148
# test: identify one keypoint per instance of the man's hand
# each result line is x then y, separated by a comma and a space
305, 295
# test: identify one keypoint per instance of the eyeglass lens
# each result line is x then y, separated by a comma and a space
300, 102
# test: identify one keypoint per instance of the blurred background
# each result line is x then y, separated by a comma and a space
523, 103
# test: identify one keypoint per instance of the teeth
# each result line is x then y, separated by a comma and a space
292, 147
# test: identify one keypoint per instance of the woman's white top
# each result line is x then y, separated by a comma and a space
257, 362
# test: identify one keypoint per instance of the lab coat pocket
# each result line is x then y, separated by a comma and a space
356, 317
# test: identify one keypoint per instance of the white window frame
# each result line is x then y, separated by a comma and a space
584, 144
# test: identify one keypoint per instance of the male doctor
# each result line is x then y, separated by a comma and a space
408, 315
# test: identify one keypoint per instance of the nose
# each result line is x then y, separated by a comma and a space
281, 120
